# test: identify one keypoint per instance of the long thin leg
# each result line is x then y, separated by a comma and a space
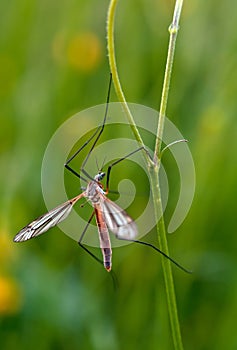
91, 254
112, 274
120, 160
102, 126
98, 131
85, 229
83, 234
158, 250
74, 172
132, 240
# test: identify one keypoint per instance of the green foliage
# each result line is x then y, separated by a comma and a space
52, 64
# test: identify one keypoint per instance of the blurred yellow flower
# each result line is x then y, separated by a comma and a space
10, 296
84, 52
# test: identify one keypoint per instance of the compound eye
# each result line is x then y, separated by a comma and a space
102, 175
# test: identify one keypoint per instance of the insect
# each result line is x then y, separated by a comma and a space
109, 216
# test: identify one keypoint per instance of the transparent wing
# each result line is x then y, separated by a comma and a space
46, 221
118, 221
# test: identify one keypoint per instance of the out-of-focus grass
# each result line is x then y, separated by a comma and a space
52, 64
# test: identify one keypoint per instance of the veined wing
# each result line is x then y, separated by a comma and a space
44, 222
117, 220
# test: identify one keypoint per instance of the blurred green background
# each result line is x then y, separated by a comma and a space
53, 63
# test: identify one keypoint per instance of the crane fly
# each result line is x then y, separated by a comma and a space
109, 216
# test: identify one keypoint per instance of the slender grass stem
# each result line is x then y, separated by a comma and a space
153, 167
166, 265
173, 29
169, 284
115, 76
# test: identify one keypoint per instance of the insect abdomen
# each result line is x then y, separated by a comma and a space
107, 259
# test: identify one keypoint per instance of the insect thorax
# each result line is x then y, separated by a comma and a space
94, 191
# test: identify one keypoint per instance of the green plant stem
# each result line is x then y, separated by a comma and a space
166, 265
114, 71
153, 167
168, 277
173, 29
